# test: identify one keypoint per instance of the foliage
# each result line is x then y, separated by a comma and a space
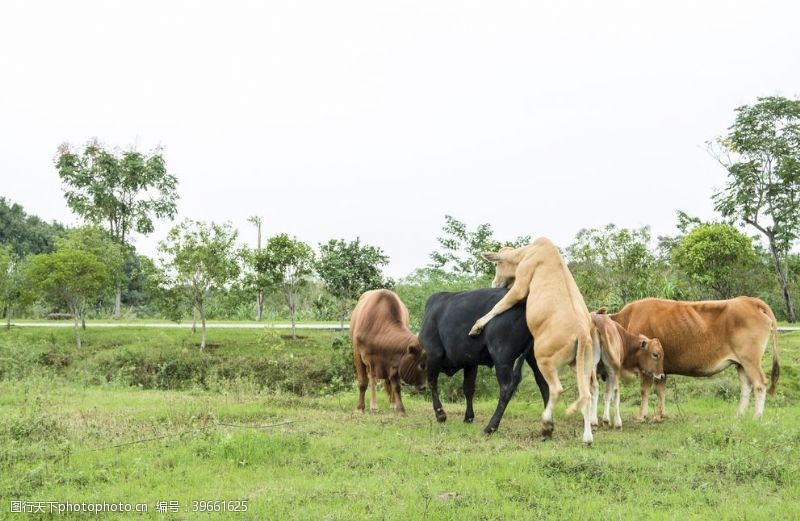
26, 234
197, 258
98, 242
717, 256
285, 263
348, 269
416, 289
613, 266
761, 153
125, 192
461, 249
70, 277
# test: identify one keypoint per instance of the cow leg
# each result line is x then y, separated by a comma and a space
550, 374
647, 382
363, 382
758, 380
617, 417
508, 385
744, 397
394, 384
517, 292
595, 389
661, 392
608, 396
373, 384
389, 388
470, 374
537, 374
434, 367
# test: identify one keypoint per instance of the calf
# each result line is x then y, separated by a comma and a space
384, 348
621, 352
504, 340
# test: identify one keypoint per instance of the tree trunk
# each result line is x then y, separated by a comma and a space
8, 316
203, 323
118, 302
259, 305
77, 332
194, 320
294, 329
782, 280
83, 323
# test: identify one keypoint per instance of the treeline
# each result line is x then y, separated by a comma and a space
200, 273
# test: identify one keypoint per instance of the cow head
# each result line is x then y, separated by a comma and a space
505, 267
650, 357
413, 365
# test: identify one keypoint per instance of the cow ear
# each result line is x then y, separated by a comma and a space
413, 349
601, 311
492, 256
644, 344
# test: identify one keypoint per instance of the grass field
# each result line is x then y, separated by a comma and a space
72, 430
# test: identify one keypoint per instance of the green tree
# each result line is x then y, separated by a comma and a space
461, 249
286, 263
196, 259
761, 153
348, 269
613, 266
26, 234
718, 257
69, 277
95, 240
123, 192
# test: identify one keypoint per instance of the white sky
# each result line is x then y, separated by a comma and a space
337, 119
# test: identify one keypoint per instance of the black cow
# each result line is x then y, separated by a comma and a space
504, 340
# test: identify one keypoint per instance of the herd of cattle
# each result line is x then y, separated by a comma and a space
535, 313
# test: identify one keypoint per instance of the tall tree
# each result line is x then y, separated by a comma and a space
124, 192
761, 153
461, 249
70, 277
198, 258
716, 256
256, 221
348, 269
286, 262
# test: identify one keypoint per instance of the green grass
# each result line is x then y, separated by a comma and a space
65, 436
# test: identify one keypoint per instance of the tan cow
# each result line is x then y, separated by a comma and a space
384, 348
556, 315
620, 353
703, 338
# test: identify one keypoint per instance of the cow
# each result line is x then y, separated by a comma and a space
703, 338
503, 341
384, 348
557, 317
620, 353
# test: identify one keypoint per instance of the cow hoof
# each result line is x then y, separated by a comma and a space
641, 419
616, 426
469, 419
441, 416
402, 413
658, 419
606, 421
547, 431
489, 430
373, 411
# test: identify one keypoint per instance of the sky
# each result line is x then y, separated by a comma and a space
375, 119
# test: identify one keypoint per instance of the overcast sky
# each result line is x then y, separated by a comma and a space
337, 119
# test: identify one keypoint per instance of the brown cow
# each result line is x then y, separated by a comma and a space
703, 338
622, 352
384, 348
557, 317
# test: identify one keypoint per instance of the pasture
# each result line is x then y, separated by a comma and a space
141, 416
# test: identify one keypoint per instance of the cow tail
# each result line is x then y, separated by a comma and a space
776, 368
584, 350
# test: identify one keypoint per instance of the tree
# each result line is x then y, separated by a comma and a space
718, 257
26, 234
69, 277
613, 265
256, 221
98, 242
348, 269
761, 153
125, 192
198, 258
461, 249
286, 263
